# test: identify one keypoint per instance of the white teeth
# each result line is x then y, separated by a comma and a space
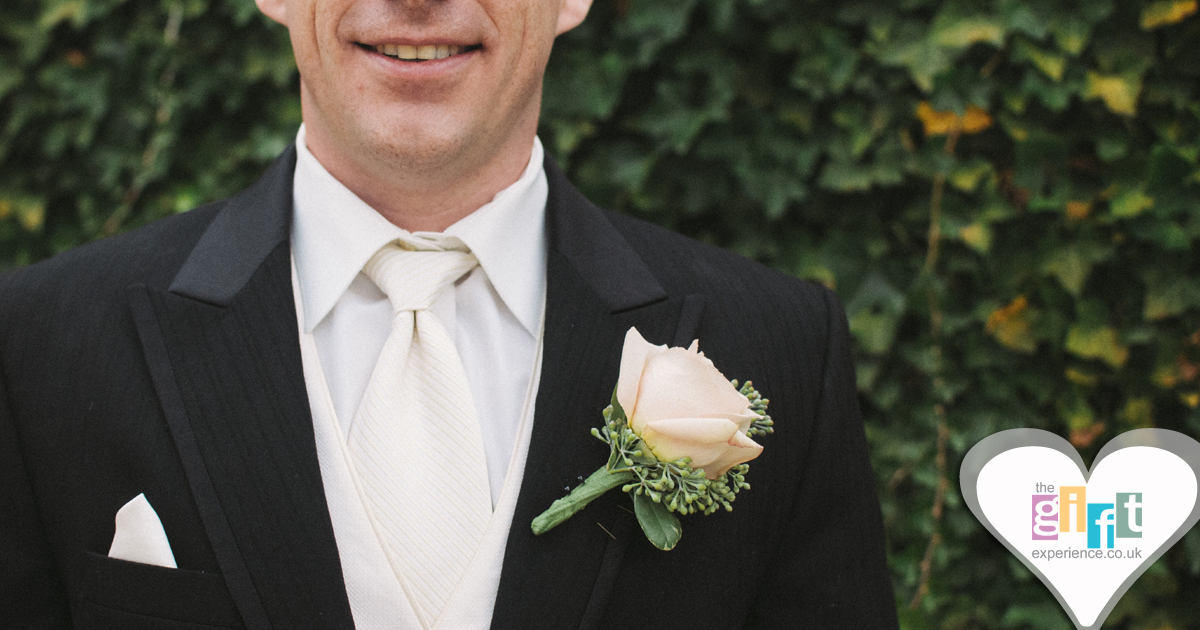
413, 53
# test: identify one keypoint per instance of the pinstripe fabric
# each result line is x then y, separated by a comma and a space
415, 442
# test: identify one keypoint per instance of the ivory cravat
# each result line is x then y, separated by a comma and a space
415, 442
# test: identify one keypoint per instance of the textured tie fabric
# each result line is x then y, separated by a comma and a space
415, 442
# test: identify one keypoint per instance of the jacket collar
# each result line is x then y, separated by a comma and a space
257, 220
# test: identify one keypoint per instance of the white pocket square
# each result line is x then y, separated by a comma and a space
140, 536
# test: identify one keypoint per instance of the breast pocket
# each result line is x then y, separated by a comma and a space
136, 596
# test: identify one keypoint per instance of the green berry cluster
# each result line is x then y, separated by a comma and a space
763, 425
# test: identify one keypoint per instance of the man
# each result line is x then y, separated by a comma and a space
233, 375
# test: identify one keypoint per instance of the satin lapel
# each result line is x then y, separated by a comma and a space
223, 348
597, 288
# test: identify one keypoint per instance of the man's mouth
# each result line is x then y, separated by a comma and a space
421, 53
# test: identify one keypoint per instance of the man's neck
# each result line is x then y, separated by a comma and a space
427, 199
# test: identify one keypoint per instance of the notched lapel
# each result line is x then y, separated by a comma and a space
250, 226
223, 348
233, 568
597, 288
590, 244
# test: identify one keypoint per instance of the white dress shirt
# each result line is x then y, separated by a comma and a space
493, 314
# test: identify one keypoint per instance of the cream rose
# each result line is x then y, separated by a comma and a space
682, 406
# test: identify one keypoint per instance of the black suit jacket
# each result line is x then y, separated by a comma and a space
166, 361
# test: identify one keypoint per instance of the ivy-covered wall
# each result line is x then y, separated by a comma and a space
1003, 192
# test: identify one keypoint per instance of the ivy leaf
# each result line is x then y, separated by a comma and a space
1131, 203
966, 177
924, 60
1072, 264
1169, 296
1166, 12
1051, 64
1012, 325
977, 236
963, 32
875, 313
662, 528
1097, 343
1071, 34
940, 123
588, 86
62, 10
1138, 413
1075, 411
1119, 93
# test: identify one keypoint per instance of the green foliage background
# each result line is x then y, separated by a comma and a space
1003, 192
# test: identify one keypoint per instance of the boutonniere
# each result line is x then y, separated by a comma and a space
679, 436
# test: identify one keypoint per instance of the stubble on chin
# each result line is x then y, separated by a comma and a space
416, 151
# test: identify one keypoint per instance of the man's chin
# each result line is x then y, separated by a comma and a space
393, 143
417, 150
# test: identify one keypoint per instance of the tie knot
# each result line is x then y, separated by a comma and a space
412, 280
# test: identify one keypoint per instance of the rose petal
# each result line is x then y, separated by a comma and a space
633, 361
678, 384
741, 450
714, 444
742, 420
703, 439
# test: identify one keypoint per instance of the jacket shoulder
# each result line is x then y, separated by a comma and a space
96, 273
685, 265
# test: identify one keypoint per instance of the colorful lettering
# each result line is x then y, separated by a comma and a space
1129, 515
1102, 521
1073, 500
1045, 517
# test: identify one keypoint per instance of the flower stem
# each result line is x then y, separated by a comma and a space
597, 484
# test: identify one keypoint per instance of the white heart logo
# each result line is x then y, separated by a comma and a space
1086, 534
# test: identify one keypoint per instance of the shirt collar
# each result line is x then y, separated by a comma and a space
335, 233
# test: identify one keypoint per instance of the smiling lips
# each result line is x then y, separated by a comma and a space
422, 53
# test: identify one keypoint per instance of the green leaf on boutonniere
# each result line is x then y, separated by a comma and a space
618, 412
661, 527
